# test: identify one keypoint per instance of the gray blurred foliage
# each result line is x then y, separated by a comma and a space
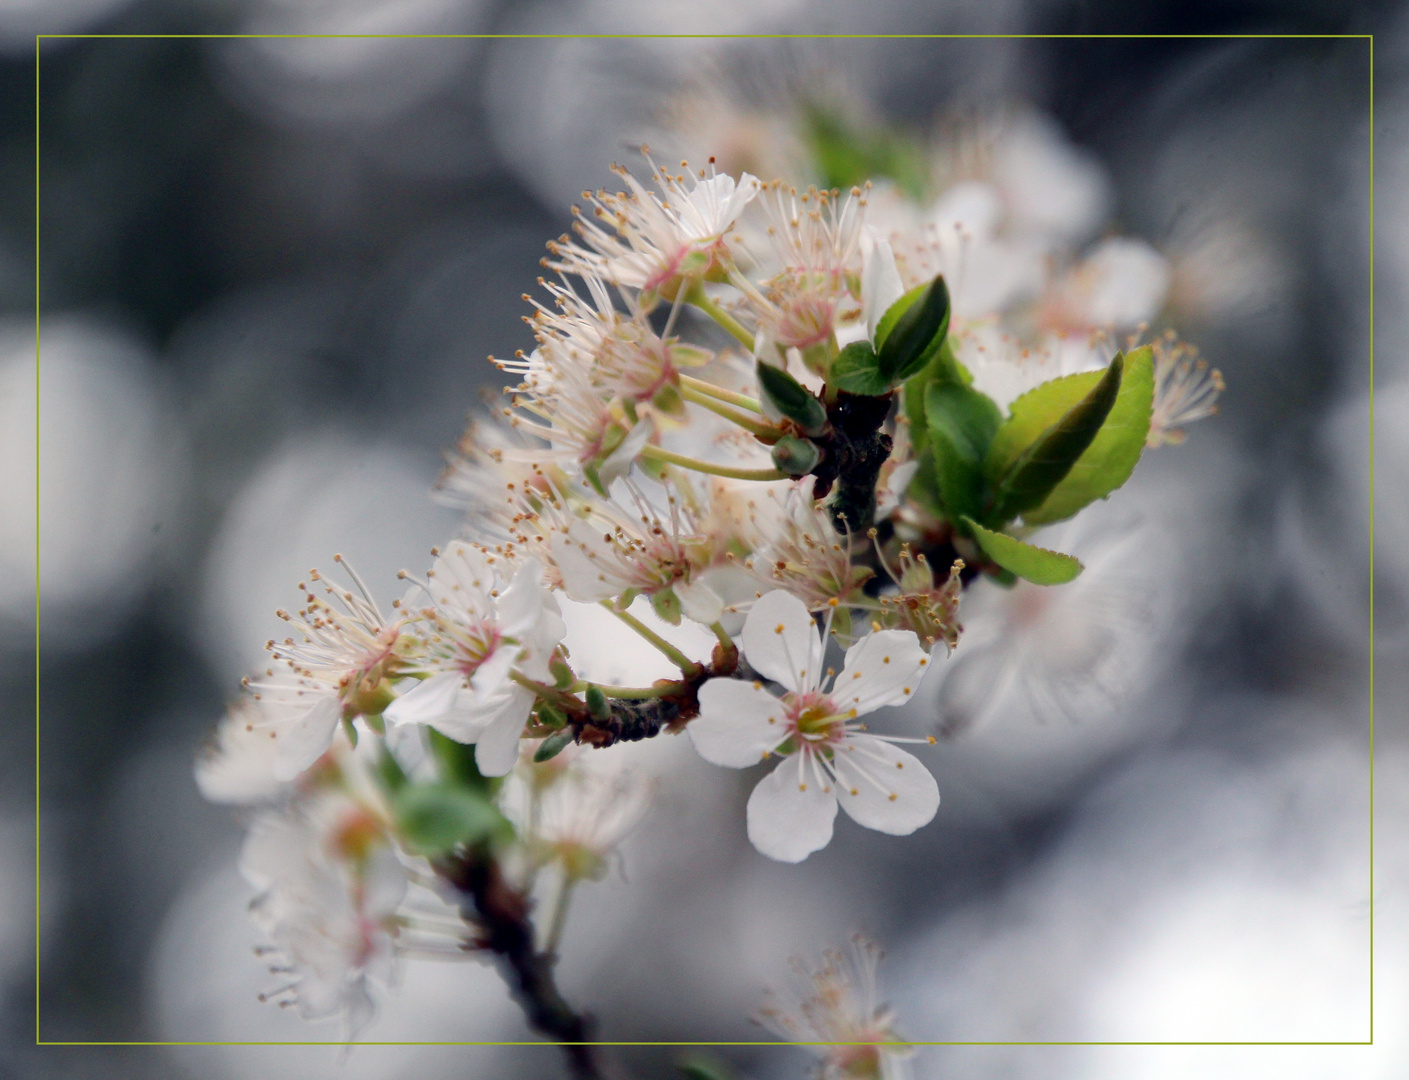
291, 242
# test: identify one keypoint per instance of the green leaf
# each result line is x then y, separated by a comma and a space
1037, 565
1039, 467
857, 371
917, 333
791, 399
433, 818
892, 314
960, 422
1112, 455
553, 745
943, 368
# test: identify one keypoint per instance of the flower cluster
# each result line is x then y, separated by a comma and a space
801, 419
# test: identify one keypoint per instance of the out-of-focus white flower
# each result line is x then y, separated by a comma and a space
829, 758
329, 884
839, 1002
335, 670
1186, 390
1120, 284
476, 634
571, 815
655, 241
239, 765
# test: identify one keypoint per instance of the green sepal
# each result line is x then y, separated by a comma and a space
857, 371
549, 715
1041, 465
563, 675
553, 745
434, 818
1113, 454
916, 334
1037, 565
457, 761
597, 704
960, 423
666, 605
790, 399
795, 456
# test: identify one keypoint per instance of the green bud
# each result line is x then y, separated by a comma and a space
597, 704
794, 456
553, 745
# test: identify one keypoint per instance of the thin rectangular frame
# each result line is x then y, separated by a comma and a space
38, 1041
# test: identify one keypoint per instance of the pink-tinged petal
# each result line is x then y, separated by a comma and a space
739, 722
883, 668
497, 748
492, 675
791, 811
426, 702
782, 642
304, 741
882, 787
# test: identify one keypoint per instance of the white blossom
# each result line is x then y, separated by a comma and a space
479, 630
828, 757
329, 884
839, 1002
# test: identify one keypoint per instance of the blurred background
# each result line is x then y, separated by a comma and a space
269, 272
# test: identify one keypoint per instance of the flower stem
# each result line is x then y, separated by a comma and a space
656, 453
674, 655
560, 916
701, 300
717, 407
743, 401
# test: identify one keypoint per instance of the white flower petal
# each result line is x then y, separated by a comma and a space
739, 723
781, 641
427, 701
519, 605
497, 748
304, 741
791, 811
698, 601
583, 579
618, 463
883, 668
461, 579
880, 280
882, 787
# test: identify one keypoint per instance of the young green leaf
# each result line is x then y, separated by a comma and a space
791, 399
944, 367
1038, 565
887, 321
916, 334
433, 818
1041, 465
1111, 457
857, 371
457, 761
960, 422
